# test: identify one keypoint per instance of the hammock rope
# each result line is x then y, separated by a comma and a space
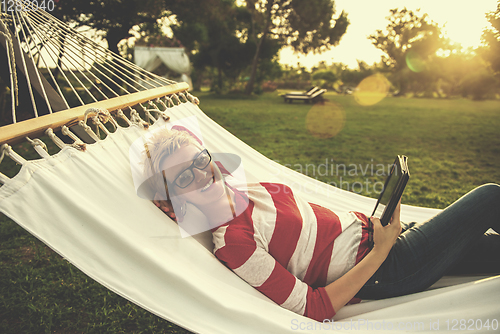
70, 71
39, 147
11, 61
98, 117
121, 64
77, 68
22, 28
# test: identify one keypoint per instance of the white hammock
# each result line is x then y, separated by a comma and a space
83, 204
85, 207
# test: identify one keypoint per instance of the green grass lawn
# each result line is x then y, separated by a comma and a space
452, 145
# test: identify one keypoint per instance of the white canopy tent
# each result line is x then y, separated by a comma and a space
176, 59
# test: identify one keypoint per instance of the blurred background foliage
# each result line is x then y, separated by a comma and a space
234, 45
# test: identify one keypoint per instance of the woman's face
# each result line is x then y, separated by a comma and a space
207, 185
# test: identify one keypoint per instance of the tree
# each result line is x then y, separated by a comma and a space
114, 17
305, 25
491, 38
409, 42
351, 78
211, 30
325, 78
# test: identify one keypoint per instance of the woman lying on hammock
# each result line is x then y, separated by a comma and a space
309, 259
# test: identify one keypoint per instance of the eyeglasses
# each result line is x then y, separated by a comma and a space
201, 161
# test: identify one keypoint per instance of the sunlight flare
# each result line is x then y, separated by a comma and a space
325, 120
372, 90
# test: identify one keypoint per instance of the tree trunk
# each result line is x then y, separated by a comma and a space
114, 36
219, 79
198, 80
255, 62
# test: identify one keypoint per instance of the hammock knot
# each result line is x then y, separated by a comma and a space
136, 118
50, 133
169, 101
8, 151
193, 99
176, 98
181, 94
78, 143
102, 114
37, 142
119, 113
39, 147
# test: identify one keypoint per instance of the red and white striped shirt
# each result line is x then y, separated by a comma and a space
290, 249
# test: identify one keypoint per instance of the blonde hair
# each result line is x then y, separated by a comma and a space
158, 147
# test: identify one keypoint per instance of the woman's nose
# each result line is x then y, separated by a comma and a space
199, 174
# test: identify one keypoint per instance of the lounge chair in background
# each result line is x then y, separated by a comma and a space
313, 94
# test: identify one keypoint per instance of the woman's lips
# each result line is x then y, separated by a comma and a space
209, 184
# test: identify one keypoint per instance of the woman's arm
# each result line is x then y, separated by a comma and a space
345, 288
258, 268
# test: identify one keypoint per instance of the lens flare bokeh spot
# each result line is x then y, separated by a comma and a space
371, 90
325, 120
415, 62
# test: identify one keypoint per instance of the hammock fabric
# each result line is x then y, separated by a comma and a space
85, 207
84, 204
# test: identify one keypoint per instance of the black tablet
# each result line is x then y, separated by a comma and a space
392, 191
